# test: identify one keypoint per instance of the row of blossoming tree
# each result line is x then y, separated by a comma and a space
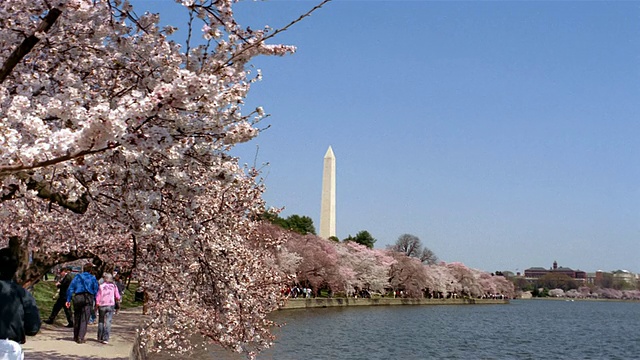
347, 267
114, 145
585, 292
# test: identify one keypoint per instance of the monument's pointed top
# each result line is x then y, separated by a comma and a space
329, 153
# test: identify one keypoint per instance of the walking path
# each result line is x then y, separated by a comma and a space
55, 342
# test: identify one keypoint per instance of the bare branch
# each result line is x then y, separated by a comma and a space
308, 13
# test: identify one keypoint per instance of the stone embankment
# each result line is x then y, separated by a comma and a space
343, 302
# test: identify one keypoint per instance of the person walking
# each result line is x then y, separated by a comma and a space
94, 308
82, 290
106, 300
63, 285
19, 315
117, 280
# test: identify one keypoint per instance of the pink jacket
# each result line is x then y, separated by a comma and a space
107, 294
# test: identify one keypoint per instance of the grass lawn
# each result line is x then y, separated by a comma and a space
46, 293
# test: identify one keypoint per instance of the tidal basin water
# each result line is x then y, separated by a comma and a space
523, 329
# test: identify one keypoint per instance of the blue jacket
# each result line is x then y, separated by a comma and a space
82, 283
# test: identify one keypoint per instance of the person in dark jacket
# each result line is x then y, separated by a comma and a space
82, 290
63, 286
19, 315
117, 279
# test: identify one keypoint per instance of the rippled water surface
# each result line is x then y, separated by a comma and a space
524, 329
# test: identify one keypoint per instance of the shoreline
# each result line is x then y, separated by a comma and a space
579, 299
309, 303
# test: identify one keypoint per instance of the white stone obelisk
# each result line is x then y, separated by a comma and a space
328, 204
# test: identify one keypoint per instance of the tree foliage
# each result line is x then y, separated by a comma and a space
363, 238
411, 245
114, 147
300, 224
557, 281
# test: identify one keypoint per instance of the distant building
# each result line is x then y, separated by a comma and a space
538, 272
618, 279
535, 272
624, 276
603, 279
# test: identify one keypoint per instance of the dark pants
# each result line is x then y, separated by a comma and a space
82, 307
60, 305
92, 318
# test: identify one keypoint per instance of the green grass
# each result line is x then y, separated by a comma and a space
127, 299
45, 294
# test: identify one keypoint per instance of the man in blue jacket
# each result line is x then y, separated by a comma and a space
82, 290
19, 315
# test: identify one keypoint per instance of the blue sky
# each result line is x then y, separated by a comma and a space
503, 134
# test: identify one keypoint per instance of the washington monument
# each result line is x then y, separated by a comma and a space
328, 204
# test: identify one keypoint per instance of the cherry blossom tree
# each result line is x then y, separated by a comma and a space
408, 274
320, 266
608, 293
114, 147
456, 278
493, 284
503, 286
441, 280
584, 291
285, 261
573, 293
466, 281
631, 294
370, 267
556, 293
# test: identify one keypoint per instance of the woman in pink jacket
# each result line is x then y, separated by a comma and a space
106, 303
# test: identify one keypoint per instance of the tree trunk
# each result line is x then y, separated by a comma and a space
33, 265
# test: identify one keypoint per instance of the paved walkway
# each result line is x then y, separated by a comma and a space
55, 342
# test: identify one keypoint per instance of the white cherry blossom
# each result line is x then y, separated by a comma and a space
114, 147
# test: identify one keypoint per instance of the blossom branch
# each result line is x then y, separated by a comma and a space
10, 169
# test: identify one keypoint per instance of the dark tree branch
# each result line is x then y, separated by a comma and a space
27, 44
32, 268
78, 206
44, 190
